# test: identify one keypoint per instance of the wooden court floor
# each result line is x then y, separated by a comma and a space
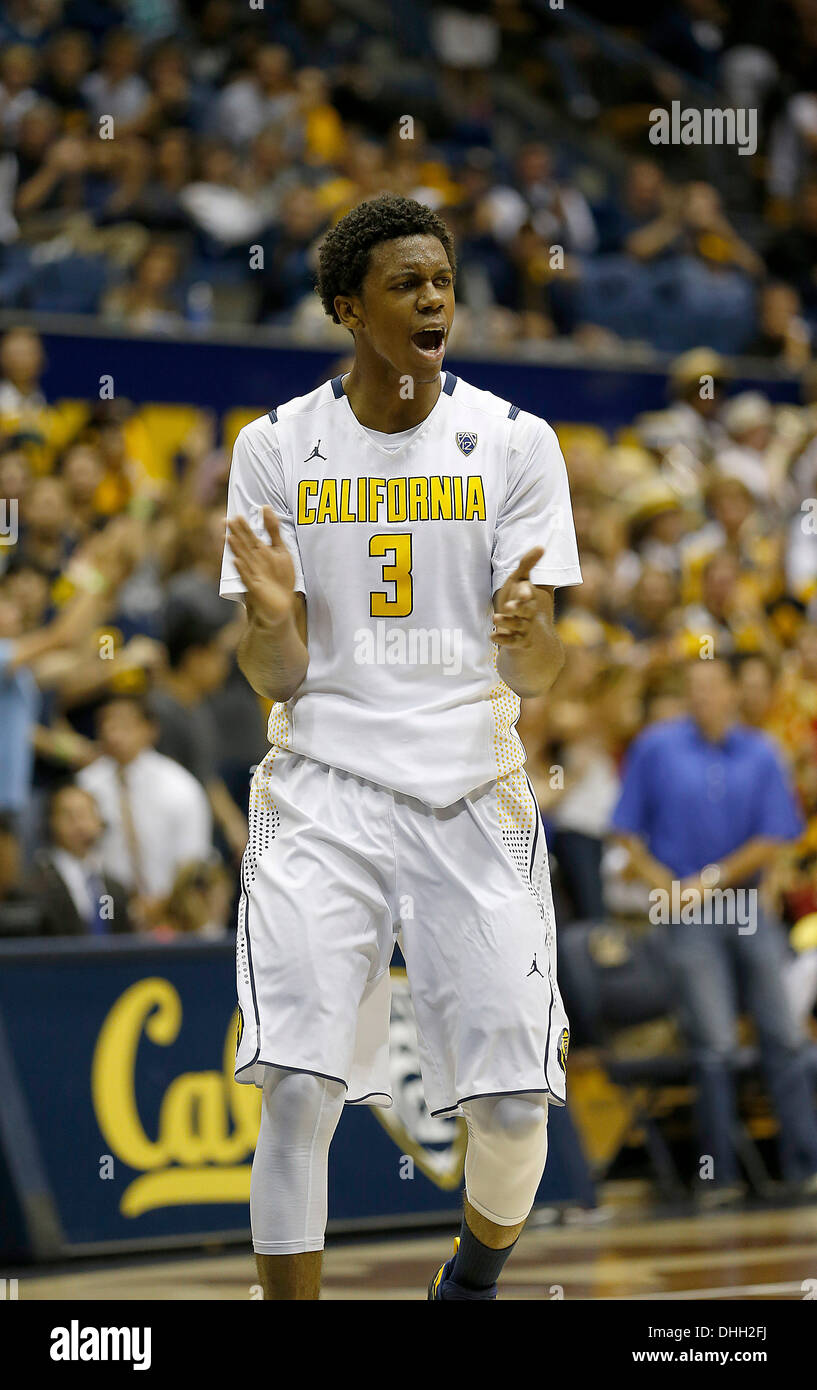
622, 1252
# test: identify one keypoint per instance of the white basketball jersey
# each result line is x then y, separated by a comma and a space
398, 552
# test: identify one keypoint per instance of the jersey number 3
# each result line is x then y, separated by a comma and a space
397, 572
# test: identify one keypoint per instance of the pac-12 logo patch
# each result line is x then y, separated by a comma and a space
564, 1041
239, 1031
467, 441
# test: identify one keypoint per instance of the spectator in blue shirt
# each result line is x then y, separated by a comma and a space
705, 803
25, 663
19, 705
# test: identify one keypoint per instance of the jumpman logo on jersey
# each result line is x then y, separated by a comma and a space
316, 454
534, 970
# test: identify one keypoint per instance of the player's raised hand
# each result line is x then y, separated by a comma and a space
266, 571
517, 604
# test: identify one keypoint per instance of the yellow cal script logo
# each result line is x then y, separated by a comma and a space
208, 1125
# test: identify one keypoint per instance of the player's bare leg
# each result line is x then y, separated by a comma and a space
495, 1237
290, 1276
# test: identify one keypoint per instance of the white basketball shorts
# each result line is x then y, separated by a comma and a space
335, 870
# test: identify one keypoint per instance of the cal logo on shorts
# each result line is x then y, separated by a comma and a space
564, 1041
467, 441
239, 1031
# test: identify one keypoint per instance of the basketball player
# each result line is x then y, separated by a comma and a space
396, 537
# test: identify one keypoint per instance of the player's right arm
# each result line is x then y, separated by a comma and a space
272, 652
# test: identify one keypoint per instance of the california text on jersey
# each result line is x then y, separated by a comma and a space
391, 499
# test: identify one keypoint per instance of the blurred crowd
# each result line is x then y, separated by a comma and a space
697, 530
173, 163
126, 729
127, 732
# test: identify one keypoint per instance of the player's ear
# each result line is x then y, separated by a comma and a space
346, 312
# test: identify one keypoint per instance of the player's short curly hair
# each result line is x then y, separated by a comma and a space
344, 255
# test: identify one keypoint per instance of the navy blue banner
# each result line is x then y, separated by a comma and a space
122, 1124
223, 375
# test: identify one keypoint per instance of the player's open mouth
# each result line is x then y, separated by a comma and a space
430, 342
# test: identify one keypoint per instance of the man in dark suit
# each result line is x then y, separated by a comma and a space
76, 896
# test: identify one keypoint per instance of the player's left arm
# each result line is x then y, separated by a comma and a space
531, 654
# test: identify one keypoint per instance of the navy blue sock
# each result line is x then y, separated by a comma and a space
477, 1266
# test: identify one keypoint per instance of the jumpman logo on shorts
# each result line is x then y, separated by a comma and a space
316, 454
534, 970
